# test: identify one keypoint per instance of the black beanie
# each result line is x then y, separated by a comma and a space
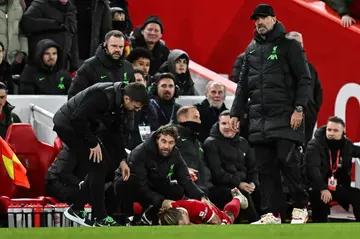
153, 19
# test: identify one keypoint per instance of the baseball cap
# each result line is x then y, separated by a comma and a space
264, 10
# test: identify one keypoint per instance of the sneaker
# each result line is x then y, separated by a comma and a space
268, 218
235, 192
79, 217
299, 216
106, 222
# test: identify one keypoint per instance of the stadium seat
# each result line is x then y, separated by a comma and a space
34, 155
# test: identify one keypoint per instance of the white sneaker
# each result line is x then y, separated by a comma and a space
235, 192
299, 216
268, 218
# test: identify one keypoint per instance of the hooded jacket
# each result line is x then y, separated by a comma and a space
184, 81
6, 76
317, 159
193, 155
101, 68
276, 78
39, 79
153, 170
49, 19
8, 118
159, 54
98, 105
162, 112
231, 161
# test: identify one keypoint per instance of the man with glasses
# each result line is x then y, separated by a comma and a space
100, 107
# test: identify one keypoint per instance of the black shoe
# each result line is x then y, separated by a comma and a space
106, 222
79, 217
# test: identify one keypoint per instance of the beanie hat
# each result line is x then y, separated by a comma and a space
153, 19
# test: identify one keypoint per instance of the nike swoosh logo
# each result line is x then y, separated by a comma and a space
102, 77
183, 140
42, 78
251, 52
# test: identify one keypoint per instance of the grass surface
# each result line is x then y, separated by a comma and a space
319, 231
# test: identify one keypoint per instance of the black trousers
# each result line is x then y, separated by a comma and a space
62, 192
127, 192
94, 183
343, 195
220, 196
310, 121
274, 158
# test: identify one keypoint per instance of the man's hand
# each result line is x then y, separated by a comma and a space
95, 154
166, 203
207, 201
125, 170
252, 185
347, 21
326, 196
192, 173
246, 187
296, 119
234, 124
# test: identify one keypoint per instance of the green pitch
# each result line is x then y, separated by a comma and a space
318, 231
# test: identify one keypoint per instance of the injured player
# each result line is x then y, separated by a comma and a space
187, 212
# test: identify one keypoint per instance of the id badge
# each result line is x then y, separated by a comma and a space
144, 131
332, 183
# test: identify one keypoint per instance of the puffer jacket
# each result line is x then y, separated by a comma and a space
10, 35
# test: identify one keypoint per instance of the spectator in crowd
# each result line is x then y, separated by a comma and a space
7, 117
5, 71
211, 107
93, 23
149, 36
158, 175
235, 76
44, 76
15, 43
314, 104
329, 161
163, 108
276, 111
236, 70
189, 125
232, 164
108, 65
27, 3
348, 10
76, 124
123, 4
178, 65
140, 59
139, 76
54, 20
188, 212
119, 22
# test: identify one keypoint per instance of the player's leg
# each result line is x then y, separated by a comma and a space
232, 209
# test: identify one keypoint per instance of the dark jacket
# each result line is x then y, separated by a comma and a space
317, 160
66, 169
209, 116
193, 155
94, 21
98, 108
162, 112
153, 171
314, 104
6, 76
159, 53
123, 26
236, 70
276, 78
184, 81
100, 68
340, 6
49, 19
39, 79
8, 118
231, 161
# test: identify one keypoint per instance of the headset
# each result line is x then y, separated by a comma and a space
160, 76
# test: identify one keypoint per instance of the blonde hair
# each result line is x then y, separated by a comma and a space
169, 216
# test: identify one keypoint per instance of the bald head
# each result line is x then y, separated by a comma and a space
297, 36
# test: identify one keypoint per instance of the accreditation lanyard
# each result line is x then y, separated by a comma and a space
158, 106
335, 167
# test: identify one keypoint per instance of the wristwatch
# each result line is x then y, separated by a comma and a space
299, 108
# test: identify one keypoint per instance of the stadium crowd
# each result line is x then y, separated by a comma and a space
200, 164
